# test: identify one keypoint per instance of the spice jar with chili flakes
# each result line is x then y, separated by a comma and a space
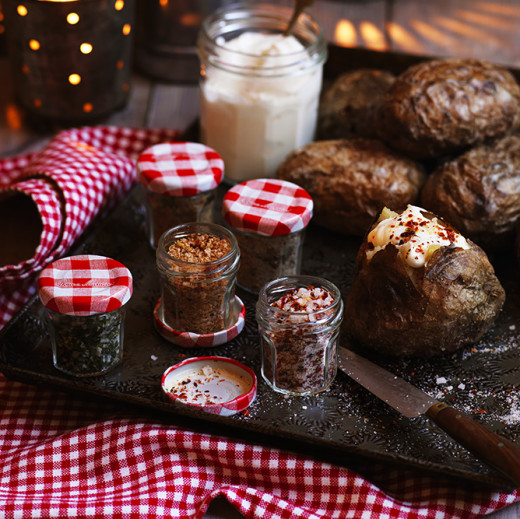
85, 301
197, 264
299, 320
268, 217
180, 181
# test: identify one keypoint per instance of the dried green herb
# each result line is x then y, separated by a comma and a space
86, 345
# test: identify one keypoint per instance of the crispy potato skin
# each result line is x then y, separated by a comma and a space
400, 311
444, 106
350, 181
349, 106
479, 193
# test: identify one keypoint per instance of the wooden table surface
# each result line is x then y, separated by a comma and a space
483, 29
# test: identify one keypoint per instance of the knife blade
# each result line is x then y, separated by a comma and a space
499, 452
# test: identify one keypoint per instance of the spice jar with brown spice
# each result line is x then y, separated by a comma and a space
180, 180
299, 321
197, 264
268, 217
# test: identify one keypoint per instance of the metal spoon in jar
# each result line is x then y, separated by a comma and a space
299, 7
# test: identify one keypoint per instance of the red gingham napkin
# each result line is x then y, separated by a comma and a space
65, 456
269, 207
180, 168
78, 175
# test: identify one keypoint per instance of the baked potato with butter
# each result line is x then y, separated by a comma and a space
420, 288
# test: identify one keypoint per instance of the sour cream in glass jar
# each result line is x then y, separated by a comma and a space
259, 89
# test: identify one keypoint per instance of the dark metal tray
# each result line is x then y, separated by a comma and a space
342, 425
343, 422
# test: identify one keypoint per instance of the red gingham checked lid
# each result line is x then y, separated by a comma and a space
85, 285
269, 207
180, 168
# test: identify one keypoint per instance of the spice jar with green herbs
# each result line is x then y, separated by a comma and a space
180, 181
197, 264
268, 217
299, 321
85, 301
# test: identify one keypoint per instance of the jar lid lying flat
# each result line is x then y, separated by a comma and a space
180, 168
217, 385
269, 207
85, 285
197, 340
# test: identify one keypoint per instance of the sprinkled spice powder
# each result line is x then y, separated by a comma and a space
299, 332
198, 271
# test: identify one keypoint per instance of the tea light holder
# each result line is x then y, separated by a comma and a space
71, 60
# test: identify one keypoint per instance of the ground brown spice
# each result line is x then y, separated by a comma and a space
199, 248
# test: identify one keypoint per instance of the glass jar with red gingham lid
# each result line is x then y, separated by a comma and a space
268, 217
85, 300
180, 180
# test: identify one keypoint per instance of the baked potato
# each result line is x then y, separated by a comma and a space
351, 180
479, 193
444, 106
420, 288
348, 107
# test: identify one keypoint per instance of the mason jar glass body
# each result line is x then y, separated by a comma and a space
266, 258
166, 211
298, 348
197, 296
256, 107
86, 345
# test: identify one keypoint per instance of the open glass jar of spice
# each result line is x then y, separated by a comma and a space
85, 300
299, 321
197, 264
268, 217
180, 179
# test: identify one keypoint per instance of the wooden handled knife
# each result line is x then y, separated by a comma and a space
410, 401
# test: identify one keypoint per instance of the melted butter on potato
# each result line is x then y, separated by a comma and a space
414, 235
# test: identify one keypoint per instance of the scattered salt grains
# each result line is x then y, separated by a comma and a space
153, 357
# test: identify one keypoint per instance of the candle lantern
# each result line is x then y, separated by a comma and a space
71, 59
166, 37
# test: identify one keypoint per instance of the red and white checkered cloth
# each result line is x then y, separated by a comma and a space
66, 456
79, 174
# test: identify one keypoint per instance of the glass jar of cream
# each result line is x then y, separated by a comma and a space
259, 89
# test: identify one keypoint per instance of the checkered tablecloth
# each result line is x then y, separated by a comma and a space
62, 455
66, 455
